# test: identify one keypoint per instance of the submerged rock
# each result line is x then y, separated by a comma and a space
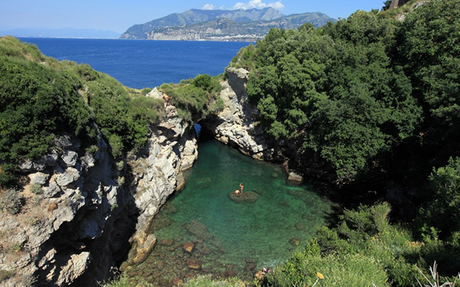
167, 242
300, 226
295, 241
199, 230
248, 196
189, 246
194, 263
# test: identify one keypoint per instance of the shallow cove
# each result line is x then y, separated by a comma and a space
230, 238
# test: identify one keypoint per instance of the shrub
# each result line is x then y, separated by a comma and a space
304, 268
367, 232
11, 201
36, 188
196, 98
145, 91
4, 275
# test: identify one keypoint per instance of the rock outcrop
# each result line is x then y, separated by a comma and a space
158, 173
237, 124
80, 209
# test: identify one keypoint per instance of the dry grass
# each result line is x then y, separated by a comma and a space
434, 280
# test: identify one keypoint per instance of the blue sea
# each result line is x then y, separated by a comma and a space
143, 64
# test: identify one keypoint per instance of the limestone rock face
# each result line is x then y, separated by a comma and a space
77, 225
158, 170
236, 125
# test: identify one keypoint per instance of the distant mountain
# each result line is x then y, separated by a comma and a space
234, 25
229, 30
62, 33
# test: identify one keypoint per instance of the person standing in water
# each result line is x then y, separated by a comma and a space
241, 186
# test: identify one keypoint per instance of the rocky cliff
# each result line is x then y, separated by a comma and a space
80, 209
238, 125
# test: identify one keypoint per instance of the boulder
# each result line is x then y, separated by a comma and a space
52, 190
300, 226
194, 263
75, 267
69, 158
167, 242
248, 196
143, 249
294, 178
177, 282
189, 246
230, 273
155, 93
250, 266
294, 241
39, 178
69, 176
199, 230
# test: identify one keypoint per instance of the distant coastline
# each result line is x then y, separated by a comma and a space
65, 33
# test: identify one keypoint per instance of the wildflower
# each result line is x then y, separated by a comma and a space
320, 276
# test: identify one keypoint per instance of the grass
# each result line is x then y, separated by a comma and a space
206, 281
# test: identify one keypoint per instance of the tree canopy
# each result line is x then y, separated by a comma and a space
357, 91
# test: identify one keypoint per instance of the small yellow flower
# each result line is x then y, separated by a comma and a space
320, 276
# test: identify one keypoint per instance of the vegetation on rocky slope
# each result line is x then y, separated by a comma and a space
41, 97
367, 97
372, 99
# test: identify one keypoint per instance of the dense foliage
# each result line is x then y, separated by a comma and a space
41, 98
363, 90
365, 249
370, 98
195, 98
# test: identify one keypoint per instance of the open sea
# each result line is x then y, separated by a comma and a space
143, 64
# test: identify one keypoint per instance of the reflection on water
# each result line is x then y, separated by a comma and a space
201, 230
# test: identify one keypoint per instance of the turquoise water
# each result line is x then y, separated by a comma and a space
231, 238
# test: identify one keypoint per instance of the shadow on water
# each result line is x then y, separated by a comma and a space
204, 229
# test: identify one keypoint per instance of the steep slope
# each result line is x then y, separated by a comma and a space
68, 207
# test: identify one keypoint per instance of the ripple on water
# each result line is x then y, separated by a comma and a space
231, 238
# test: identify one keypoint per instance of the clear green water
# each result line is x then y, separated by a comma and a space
241, 237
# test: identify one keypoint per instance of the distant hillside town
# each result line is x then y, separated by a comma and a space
221, 25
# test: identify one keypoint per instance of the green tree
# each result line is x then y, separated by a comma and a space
431, 50
443, 211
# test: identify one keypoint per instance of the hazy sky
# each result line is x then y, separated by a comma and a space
119, 15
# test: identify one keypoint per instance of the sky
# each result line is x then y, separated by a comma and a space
119, 15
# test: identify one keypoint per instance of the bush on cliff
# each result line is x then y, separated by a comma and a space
41, 97
195, 98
